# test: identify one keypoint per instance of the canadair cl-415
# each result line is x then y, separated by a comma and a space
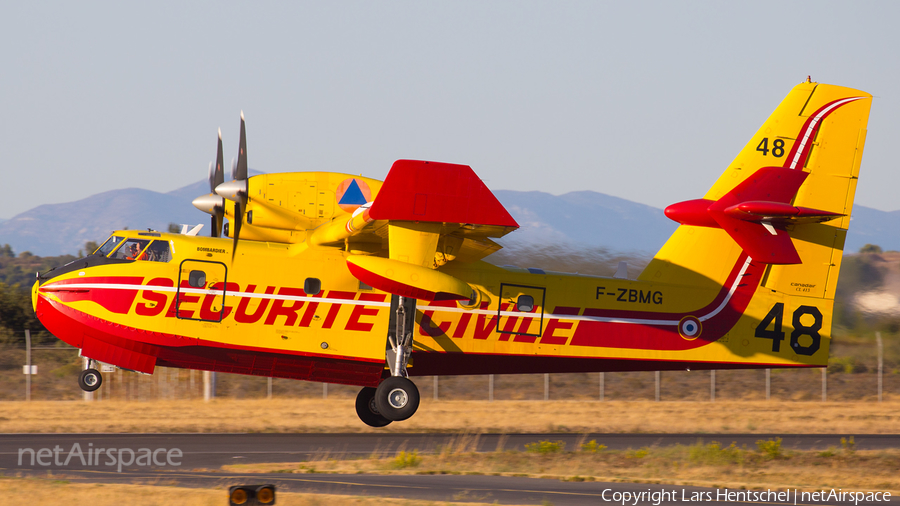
339, 278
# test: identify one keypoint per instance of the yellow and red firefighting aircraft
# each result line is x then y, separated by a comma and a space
344, 279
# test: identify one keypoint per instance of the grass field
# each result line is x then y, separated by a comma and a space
46, 492
339, 415
715, 464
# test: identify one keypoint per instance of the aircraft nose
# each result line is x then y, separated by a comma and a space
34, 294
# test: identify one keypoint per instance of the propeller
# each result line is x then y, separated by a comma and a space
212, 203
216, 177
237, 189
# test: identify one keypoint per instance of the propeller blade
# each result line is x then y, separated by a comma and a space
219, 176
217, 220
238, 219
240, 171
216, 177
237, 190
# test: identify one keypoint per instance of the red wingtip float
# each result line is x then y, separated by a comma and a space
344, 279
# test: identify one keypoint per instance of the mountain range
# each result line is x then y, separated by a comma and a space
581, 219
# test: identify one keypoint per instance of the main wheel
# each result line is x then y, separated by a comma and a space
366, 410
397, 398
90, 380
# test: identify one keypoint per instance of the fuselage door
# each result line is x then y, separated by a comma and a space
521, 310
201, 290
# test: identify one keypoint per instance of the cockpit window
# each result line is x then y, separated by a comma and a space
157, 252
109, 245
131, 249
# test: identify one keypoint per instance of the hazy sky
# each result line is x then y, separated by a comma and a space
641, 100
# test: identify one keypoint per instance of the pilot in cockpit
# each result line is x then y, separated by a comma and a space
133, 252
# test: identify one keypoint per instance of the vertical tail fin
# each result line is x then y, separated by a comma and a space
785, 200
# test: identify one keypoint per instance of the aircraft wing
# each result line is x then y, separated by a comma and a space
459, 209
397, 233
434, 213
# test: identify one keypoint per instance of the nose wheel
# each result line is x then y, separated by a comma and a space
366, 409
90, 380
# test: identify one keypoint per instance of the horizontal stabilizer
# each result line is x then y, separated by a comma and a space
438, 192
778, 213
755, 213
763, 243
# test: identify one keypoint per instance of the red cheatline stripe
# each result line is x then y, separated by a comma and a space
800, 151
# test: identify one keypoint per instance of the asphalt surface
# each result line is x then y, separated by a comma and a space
195, 460
211, 451
489, 489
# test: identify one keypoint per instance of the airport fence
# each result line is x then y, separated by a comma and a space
861, 377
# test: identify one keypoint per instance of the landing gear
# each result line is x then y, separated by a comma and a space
366, 409
400, 334
90, 380
397, 398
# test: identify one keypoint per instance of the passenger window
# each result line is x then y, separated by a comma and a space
197, 279
157, 252
525, 303
312, 286
131, 249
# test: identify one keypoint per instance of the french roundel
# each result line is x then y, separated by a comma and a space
352, 193
690, 327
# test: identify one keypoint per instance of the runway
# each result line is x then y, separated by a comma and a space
202, 455
211, 451
488, 489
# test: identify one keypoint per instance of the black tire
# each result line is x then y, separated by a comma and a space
90, 380
366, 410
397, 398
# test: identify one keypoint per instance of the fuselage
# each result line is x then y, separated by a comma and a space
295, 311
339, 278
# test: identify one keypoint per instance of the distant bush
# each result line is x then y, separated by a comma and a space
771, 449
849, 445
592, 446
17, 275
406, 459
713, 454
544, 447
637, 454
871, 248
